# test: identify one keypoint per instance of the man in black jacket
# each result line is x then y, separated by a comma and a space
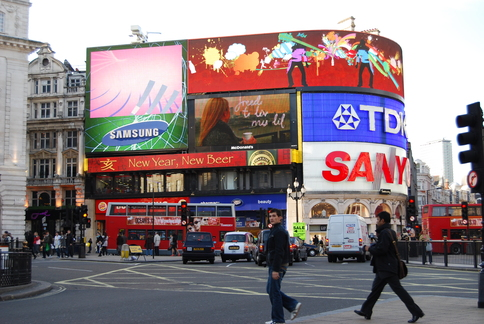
278, 259
385, 266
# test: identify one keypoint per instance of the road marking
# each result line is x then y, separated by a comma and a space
70, 269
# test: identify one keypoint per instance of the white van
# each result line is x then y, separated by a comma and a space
346, 236
238, 245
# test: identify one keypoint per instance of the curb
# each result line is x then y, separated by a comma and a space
33, 289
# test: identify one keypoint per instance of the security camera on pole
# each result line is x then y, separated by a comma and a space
475, 156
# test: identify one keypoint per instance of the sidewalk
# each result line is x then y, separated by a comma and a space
437, 309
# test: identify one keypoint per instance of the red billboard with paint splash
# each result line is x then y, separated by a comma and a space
295, 59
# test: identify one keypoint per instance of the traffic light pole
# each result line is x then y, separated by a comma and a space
475, 155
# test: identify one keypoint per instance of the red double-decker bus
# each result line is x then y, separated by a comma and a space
137, 220
445, 222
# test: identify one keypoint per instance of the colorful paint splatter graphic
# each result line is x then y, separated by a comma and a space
305, 58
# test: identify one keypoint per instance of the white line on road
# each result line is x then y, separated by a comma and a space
70, 269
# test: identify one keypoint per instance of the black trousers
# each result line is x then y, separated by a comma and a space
381, 280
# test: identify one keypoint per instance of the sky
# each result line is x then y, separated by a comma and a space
442, 41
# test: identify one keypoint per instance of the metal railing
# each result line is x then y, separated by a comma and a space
15, 268
458, 253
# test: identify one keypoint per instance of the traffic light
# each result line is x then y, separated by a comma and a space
184, 212
411, 210
88, 223
473, 138
464, 211
83, 214
76, 215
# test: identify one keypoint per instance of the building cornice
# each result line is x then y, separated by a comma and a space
20, 44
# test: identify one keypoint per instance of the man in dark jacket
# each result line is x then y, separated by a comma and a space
278, 259
385, 266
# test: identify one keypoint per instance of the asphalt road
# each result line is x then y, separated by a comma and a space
170, 292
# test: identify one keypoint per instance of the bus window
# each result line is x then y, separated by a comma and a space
445, 233
455, 211
206, 211
224, 211
136, 234
438, 211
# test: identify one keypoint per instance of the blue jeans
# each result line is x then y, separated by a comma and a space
279, 300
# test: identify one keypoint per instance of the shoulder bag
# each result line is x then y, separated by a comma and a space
402, 267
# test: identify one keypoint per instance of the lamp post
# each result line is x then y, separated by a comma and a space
296, 194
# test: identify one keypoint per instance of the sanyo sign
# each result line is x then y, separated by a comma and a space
349, 117
355, 167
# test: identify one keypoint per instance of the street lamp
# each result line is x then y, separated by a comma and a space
296, 194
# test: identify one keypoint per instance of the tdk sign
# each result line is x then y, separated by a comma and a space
135, 133
347, 117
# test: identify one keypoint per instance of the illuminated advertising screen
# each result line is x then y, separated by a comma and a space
355, 167
244, 122
189, 161
136, 98
295, 59
352, 117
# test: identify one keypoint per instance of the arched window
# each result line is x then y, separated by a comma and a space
358, 209
322, 210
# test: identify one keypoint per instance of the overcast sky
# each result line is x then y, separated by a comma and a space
442, 41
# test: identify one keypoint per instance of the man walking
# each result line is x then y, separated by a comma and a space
277, 260
157, 240
385, 266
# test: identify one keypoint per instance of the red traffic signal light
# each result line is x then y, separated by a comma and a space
465, 211
184, 212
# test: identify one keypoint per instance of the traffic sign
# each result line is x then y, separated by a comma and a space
472, 179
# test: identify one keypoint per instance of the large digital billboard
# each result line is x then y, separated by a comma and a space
243, 122
355, 167
136, 98
353, 117
295, 59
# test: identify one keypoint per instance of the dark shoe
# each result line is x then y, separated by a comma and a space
415, 318
362, 314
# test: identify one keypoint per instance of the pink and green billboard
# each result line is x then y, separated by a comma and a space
136, 98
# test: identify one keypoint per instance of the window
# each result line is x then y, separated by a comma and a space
2, 18
228, 180
43, 168
207, 181
70, 198
47, 110
74, 82
36, 86
154, 182
72, 109
104, 183
43, 198
261, 179
71, 140
282, 178
71, 167
45, 84
44, 140
174, 182
55, 86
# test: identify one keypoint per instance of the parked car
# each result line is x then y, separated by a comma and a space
238, 245
198, 246
261, 253
299, 251
311, 249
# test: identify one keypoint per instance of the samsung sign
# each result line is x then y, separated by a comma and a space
135, 133
349, 117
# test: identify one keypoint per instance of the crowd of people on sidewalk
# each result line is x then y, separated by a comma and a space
61, 244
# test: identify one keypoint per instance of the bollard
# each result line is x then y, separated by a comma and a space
480, 300
125, 252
